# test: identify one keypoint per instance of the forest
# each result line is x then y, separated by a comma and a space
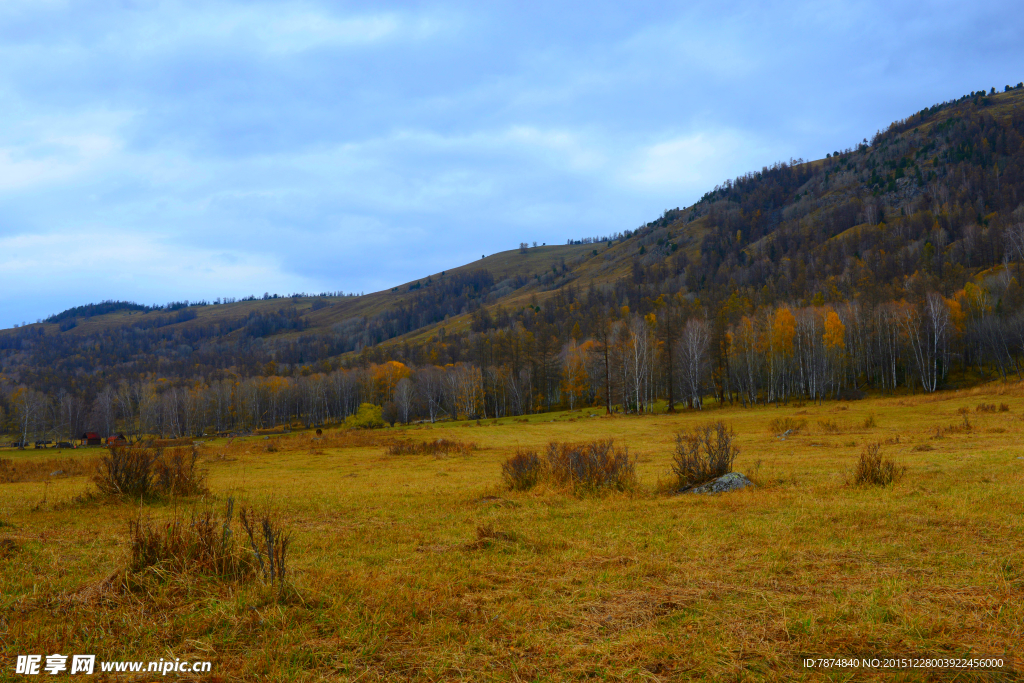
891, 266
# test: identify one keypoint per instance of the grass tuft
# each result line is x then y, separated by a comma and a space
198, 541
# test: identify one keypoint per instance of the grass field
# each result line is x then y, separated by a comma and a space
417, 567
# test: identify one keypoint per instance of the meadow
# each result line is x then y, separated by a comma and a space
424, 567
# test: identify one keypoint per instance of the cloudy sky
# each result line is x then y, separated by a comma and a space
164, 150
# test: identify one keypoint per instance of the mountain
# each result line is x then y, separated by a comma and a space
931, 207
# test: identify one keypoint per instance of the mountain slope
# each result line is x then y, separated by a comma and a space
931, 204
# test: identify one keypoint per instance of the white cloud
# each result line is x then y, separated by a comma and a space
97, 264
694, 162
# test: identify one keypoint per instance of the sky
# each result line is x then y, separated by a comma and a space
161, 151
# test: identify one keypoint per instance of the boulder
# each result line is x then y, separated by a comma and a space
727, 482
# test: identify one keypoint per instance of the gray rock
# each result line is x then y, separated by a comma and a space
727, 482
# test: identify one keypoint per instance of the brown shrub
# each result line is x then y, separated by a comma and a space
126, 471
874, 470
137, 472
703, 454
829, 426
869, 422
437, 447
522, 471
590, 466
985, 408
200, 541
1003, 408
781, 426
177, 472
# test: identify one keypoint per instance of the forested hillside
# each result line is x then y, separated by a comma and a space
893, 265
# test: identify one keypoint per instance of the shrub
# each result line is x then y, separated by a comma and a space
1003, 408
829, 426
522, 471
591, 466
782, 426
137, 472
874, 470
437, 447
203, 542
197, 542
126, 471
986, 408
177, 472
367, 417
703, 454
869, 422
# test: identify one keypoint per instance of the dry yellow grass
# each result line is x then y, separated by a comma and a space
417, 567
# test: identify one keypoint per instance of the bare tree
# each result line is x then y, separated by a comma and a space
694, 360
405, 391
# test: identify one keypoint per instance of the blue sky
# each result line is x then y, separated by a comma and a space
158, 151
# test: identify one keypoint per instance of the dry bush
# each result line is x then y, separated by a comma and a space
1003, 408
874, 470
963, 428
590, 466
869, 422
137, 472
126, 471
12, 471
177, 472
781, 426
522, 471
437, 447
198, 541
703, 454
829, 426
201, 541
963, 410
985, 408
923, 447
